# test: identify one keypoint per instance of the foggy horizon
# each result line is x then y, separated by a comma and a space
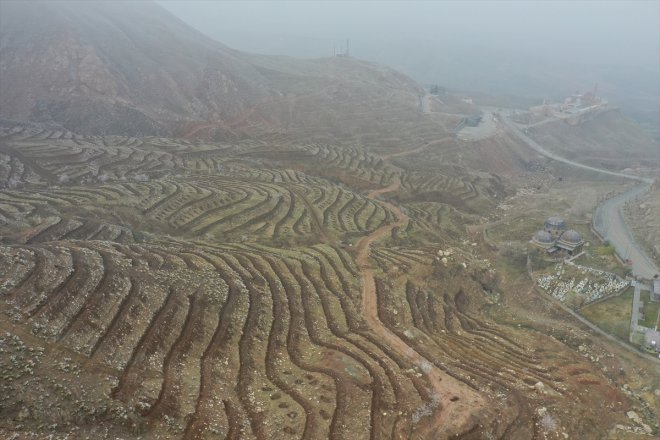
590, 28
527, 49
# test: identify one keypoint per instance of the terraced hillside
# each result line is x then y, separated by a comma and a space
200, 243
189, 336
162, 288
184, 189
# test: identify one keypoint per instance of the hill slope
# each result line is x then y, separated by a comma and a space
162, 288
608, 140
317, 271
94, 67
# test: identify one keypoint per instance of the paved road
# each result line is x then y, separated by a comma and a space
425, 103
608, 220
610, 223
535, 146
486, 128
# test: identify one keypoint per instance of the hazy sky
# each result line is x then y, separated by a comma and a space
534, 48
631, 28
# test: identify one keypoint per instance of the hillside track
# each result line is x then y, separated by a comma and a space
418, 149
456, 401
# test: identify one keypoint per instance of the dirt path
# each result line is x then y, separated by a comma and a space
425, 103
456, 402
416, 150
485, 129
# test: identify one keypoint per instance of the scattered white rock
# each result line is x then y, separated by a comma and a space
539, 387
632, 415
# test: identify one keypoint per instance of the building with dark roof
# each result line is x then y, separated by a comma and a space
555, 237
571, 241
543, 238
555, 226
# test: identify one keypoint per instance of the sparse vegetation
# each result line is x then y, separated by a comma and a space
191, 289
607, 250
269, 248
612, 315
650, 311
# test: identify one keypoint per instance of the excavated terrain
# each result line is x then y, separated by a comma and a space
162, 288
199, 243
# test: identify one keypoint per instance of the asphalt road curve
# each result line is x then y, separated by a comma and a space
608, 220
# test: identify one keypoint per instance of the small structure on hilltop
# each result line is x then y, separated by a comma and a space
345, 53
555, 238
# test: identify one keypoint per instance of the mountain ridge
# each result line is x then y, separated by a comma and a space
94, 68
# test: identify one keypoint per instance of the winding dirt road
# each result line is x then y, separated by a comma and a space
455, 401
415, 150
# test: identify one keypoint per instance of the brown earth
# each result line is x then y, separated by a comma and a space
91, 67
457, 404
308, 261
